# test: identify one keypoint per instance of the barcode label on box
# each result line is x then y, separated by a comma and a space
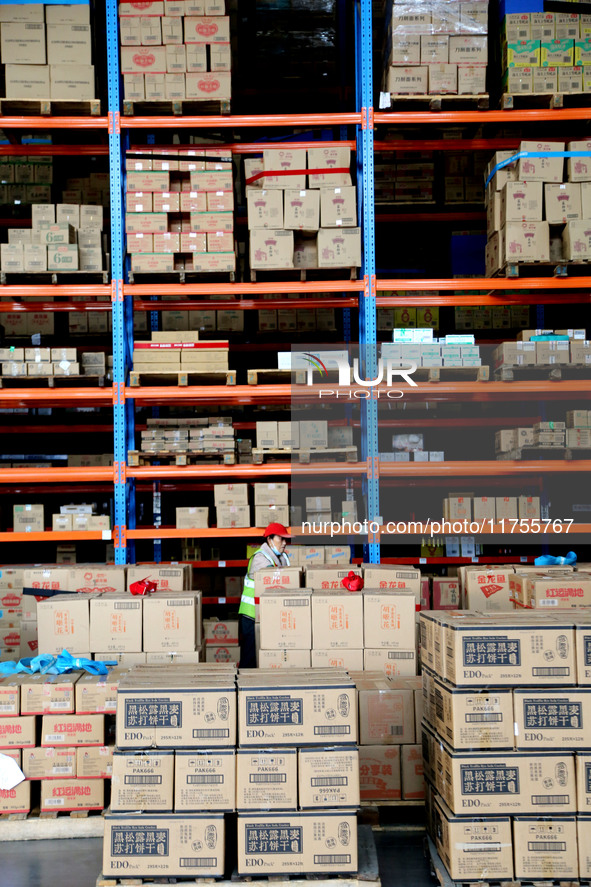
220, 733
490, 718
550, 800
332, 858
65, 771
190, 862
397, 654
127, 605
271, 778
143, 780
60, 705
213, 779
332, 731
550, 672
325, 781
296, 603
546, 846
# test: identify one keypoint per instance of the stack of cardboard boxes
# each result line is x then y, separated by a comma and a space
282, 752
64, 237
435, 48
405, 178
209, 435
49, 362
46, 51
546, 52
511, 754
25, 180
179, 210
288, 320
55, 727
390, 754
420, 347
294, 226
533, 213
575, 433
220, 639
483, 318
490, 508
175, 50
179, 352
323, 624
544, 348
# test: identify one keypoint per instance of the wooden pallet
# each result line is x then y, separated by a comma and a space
182, 378
177, 107
435, 102
48, 107
37, 278
36, 826
52, 381
135, 458
48, 814
176, 277
329, 454
278, 377
301, 274
553, 100
368, 872
449, 374
551, 372
544, 269
439, 872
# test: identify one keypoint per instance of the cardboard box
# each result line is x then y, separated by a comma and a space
386, 712
222, 653
28, 519
97, 694
309, 714
192, 517
351, 660
229, 516
72, 82
388, 618
230, 494
540, 169
529, 507
286, 620
546, 719
265, 514
330, 158
116, 624
407, 80
474, 719
267, 779
44, 694
328, 777
281, 577
143, 60
392, 578
413, 781
379, 773
563, 202
170, 577
284, 659
95, 762
265, 208
16, 800
310, 835
301, 210
473, 848
569, 590
446, 594
337, 620
339, 249
64, 622
172, 623
393, 663
72, 730
205, 780
271, 248
18, 732
576, 241
49, 763
68, 44
522, 202
284, 160
545, 847
515, 655
328, 578
142, 781
23, 43
10, 696
506, 507
338, 207
27, 82
488, 589
197, 834
443, 79
192, 713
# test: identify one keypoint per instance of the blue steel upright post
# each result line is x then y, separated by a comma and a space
367, 305
120, 345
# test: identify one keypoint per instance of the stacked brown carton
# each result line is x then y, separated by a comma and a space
54, 728
436, 48
534, 214
51, 362
175, 50
179, 210
390, 754
543, 348
46, 50
25, 180
177, 767
546, 52
509, 754
231, 505
64, 237
575, 433
220, 638
489, 508
324, 625
179, 352
297, 754
294, 226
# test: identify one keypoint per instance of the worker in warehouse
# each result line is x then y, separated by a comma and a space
270, 554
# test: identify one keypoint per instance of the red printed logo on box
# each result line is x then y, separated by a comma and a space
206, 29
489, 590
209, 85
145, 61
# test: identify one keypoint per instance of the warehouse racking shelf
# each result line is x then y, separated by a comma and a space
366, 294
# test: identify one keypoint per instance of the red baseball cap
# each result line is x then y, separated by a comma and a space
277, 530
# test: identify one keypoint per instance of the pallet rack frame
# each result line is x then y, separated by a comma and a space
366, 294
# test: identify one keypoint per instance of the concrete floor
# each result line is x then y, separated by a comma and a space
77, 863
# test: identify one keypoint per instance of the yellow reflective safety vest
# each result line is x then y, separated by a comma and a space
247, 601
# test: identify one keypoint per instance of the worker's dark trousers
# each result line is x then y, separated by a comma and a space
248, 653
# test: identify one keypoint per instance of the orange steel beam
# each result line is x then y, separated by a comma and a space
54, 150
207, 533
485, 468
55, 475
224, 289
55, 307
247, 471
521, 116
33, 123
485, 283
54, 536
245, 304
497, 299
67, 291
237, 120
14, 396
258, 147
455, 145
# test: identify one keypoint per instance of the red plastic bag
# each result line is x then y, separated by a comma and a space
352, 582
144, 586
